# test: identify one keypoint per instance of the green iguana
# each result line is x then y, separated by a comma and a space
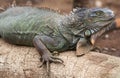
50, 31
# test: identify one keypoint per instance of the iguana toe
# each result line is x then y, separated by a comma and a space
94, 48
50, 59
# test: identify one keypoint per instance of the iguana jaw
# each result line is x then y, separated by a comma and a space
95, 37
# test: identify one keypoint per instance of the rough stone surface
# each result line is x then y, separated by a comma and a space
23, 62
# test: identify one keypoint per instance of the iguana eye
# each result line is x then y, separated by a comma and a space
99, 13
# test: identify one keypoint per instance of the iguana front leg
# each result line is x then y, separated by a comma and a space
83, 47
46, 56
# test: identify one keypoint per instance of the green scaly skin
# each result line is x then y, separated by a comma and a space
50, 31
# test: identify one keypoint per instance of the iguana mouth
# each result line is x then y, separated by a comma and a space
111, 17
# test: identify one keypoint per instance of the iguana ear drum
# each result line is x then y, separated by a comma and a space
87, 33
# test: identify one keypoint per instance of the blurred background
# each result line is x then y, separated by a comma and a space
63, 6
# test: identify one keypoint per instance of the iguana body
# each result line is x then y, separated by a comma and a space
50, 31
19, 25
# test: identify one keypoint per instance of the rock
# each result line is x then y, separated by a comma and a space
23, 62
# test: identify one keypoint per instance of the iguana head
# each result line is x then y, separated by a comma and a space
89, 21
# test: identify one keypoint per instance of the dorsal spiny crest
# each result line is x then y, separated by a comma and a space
80, 12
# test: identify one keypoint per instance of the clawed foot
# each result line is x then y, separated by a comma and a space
94, 48
47, 59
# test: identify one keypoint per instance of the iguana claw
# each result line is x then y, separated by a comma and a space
51, 59
94, 48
